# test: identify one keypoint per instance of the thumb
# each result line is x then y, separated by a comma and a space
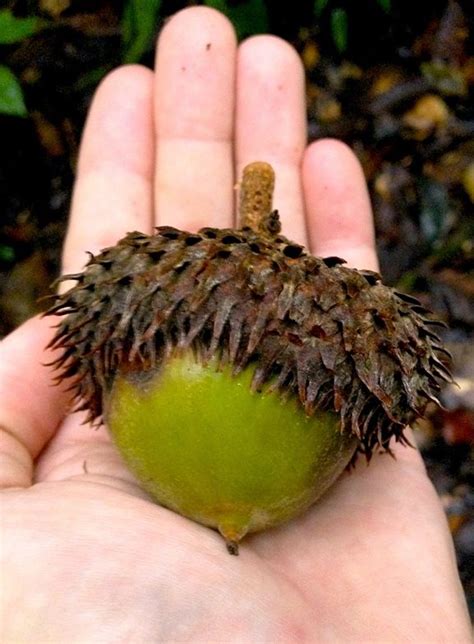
31, 405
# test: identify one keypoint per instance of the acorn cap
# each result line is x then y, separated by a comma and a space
335, 337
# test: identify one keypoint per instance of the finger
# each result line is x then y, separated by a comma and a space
271, 121
113, 191
194, 106
339, 213
31, 406
113, 194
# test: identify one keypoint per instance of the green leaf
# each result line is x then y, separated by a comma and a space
339, 29
11, 94
14, 29
139, 26
7, 254
320, 6
248, 18
386, 5
92, 78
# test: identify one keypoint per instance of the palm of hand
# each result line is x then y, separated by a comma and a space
90, 556
114, 565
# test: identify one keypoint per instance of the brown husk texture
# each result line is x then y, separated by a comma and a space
335, 337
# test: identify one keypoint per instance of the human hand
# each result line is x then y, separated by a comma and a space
86, 556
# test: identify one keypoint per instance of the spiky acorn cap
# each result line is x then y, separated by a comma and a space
335, 337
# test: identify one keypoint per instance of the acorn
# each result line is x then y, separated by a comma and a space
239, 375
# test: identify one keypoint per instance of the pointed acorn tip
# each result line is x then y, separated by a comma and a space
232, 547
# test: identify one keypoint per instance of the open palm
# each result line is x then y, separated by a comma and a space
86, 556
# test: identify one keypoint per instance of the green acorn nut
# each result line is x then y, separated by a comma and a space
239, 375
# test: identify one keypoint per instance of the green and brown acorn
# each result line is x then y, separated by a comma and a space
238, 374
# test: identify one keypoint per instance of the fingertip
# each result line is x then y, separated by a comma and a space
340, 220
198, 22
271, 53
194, 112
270, 84
124, 75
271, 121
194, 80
113, 190
333, 151
121, 96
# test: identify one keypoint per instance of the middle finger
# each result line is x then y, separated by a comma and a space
194, 105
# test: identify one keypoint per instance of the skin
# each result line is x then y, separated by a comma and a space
86, 556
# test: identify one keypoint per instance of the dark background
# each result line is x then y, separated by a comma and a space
394, 79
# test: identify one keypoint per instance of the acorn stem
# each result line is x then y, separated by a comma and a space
256, 196
232, 547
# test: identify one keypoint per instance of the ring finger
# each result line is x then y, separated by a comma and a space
271, 122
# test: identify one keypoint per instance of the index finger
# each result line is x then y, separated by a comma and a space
113, 190
112, 196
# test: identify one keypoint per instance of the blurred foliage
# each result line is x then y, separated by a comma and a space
7, 253
139, 26
11, 95
249, 17
339, 28
13, 30
339, 19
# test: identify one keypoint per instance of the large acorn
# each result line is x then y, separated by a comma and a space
239, 375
